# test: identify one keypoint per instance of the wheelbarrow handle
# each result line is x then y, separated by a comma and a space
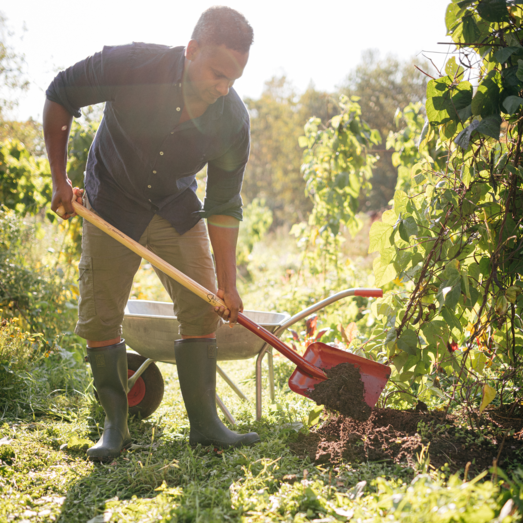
368, 293
199, 290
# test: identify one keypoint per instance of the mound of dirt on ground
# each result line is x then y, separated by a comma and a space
343, 392
394, 436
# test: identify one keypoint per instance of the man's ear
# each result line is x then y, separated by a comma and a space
192, 50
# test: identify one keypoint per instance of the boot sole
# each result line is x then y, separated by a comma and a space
104, 459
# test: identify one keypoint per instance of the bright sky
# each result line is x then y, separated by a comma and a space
318, 41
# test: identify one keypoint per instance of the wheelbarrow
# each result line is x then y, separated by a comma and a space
310, 369
150, 328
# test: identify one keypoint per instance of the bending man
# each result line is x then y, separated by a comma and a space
168, 113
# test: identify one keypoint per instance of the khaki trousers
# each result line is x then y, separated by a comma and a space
107, 269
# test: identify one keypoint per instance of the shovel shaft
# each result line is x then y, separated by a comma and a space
304, 366
199, 290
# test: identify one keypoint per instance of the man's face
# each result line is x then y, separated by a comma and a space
212, 70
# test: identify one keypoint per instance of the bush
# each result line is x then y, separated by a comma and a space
39, 352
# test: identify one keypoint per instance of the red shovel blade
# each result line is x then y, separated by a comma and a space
374, 375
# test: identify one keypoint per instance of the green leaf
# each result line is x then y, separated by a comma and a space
466, 176
445, 100
512, 103
519, 72
388, 254
486, 99
474, 270
452, 297
512, 40
453, 69
465, 113
471, 31
435, 331
400, 360
379, 236
504, 53
314, 415
465, 278
383, 272
463, 138
452, 321
452, 16
493, 10
400, 201
411, 226
303, 141
408, 342
490, 126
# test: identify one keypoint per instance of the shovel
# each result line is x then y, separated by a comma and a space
318, 356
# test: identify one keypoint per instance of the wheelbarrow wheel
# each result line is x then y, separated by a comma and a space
147, 394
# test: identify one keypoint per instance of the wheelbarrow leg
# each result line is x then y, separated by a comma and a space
225, 410
271, 373
231, 383
259, 377
134, 378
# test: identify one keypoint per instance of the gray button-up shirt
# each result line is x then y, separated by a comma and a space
143, 161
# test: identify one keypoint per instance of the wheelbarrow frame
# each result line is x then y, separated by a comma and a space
265, 350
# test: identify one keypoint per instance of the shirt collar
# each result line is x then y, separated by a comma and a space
178, 63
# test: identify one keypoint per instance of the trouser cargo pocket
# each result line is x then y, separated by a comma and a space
86, 304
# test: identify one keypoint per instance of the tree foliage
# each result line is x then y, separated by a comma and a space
12, 80
25, 182
273, 171
384, 85
452, 244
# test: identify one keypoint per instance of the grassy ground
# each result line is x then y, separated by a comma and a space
44, 475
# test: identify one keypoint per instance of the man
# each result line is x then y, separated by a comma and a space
168, 113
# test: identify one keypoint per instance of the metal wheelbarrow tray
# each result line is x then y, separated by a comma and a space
150, 329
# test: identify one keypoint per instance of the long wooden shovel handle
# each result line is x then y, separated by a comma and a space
202, 292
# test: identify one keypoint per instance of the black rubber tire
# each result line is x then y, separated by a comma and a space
154, 386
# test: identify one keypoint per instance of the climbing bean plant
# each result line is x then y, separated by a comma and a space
451, 248
337, 167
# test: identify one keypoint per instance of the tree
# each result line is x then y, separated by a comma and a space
12, 79
384, 85
277, 120
12, 84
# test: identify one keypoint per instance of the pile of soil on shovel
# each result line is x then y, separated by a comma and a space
394, 436
343, 392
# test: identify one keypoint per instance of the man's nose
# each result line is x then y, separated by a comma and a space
223, 88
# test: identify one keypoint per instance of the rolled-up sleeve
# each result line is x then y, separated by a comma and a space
224, 179
90, 81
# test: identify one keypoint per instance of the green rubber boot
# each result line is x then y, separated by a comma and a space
109, 367
196, 362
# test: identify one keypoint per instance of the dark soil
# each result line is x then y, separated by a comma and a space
396, 436
343, 392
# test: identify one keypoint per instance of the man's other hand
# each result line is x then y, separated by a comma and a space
62, 198
234, 305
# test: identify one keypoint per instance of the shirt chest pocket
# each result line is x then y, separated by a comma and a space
182, 156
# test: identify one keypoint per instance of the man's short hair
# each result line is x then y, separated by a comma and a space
220, 25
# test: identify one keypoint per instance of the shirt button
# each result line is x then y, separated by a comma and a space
178, 109
149, 186
149, 199
161, 153
172, 132
154, 172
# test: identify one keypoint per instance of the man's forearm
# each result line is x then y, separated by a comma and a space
223, 232
57, 125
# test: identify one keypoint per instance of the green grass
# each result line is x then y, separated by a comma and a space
163, 479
